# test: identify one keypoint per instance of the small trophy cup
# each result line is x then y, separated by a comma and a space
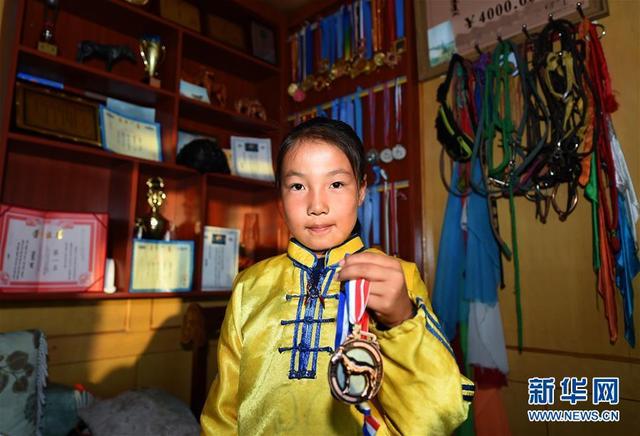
47, 41
152, 52
154, 225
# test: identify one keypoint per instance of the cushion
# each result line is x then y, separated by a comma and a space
60, 412
23, 375
140, 412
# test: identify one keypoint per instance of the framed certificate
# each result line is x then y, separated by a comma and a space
125, 135
162, 266
252, 157
220, 258
56, 113
51, 251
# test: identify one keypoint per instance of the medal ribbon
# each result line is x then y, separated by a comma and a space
317, 48
372, 118
337, 17
294, 58
368, 27
387, 113
352, 310
391, 22
358, 113
346, 22
394, 219
398, 110
399, 19
309, 42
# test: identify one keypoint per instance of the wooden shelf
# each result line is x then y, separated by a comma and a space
56, 173
199, 46
87, 78
206, 50
206, 113
92, 296
26, 143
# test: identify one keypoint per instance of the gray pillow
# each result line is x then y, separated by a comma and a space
140, 412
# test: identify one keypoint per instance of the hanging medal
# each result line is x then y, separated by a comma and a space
293, 86
386, 155
355, 369
399, 152
372, 154
297, 93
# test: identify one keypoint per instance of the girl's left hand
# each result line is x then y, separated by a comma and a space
388, 296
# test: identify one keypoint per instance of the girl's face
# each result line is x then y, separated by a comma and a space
320, 194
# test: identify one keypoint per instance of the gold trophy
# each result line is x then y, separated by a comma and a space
154, 225
47, 41
152, 52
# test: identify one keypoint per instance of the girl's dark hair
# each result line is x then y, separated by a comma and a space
331, 131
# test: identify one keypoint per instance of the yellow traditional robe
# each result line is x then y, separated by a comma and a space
274, 350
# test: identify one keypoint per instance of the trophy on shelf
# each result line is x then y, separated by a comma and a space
154, 225
152, 52
47, 41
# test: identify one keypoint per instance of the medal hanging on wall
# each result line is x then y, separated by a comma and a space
372, 153
398, 152
355, 369
293, 86
386, 155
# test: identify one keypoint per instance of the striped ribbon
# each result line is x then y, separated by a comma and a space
352, 310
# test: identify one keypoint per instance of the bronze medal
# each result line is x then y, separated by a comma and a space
355, 369
357, 67
391, 59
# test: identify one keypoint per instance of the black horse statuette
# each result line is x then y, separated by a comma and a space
109, 53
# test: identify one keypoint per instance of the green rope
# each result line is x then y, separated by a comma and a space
499, 73
591, 192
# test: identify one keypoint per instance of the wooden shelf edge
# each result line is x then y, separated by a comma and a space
274, 69
88, 150
35, 297
249, 122
93, 71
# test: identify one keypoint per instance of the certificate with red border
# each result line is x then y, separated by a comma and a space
51, 251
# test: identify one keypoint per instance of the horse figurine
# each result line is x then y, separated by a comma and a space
108, 53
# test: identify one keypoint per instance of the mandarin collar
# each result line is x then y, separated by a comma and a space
305, 257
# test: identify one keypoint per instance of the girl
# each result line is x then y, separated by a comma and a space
280, 325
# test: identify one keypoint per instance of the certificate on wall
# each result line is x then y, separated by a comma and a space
162, 266
252, 157
51, 251
129, 136
220, 258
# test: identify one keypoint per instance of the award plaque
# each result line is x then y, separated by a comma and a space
55, 113
162, 266
129, 136
45, 251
